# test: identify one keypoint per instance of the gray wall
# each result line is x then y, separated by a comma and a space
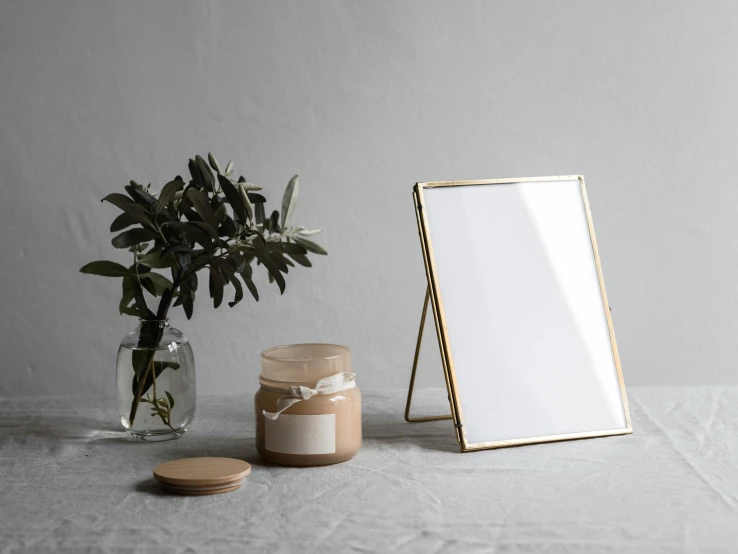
362, 99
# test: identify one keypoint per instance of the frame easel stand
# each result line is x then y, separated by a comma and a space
408, 417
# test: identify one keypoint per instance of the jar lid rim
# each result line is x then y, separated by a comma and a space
345, 350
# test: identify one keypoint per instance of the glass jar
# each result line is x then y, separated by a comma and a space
308, 409
156, 382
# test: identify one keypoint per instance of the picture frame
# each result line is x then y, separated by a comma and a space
435, 298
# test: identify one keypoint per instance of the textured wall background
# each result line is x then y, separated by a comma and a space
362, 99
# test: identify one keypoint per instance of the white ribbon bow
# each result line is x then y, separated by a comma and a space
295, 394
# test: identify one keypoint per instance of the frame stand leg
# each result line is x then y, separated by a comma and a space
408, 418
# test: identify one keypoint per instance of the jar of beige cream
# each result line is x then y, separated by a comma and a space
308, 409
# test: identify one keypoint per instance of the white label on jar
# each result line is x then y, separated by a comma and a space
301, 434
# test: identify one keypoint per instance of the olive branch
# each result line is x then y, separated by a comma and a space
214, 222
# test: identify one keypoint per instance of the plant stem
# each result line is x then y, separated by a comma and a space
168, 420
143, 343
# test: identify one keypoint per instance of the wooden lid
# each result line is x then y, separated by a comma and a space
194, 474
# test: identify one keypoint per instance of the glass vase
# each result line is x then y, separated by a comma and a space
156, 382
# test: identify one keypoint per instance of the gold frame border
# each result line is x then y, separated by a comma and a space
440, 320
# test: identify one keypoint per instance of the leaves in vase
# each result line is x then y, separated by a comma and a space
188, 226
105, 269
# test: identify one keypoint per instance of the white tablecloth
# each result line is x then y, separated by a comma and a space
70, 482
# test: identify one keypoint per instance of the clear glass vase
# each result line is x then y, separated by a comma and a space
156, 382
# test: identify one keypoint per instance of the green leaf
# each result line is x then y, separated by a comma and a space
308, 232
250, 284
214, 163
194, 234
122, 221
149, 285
263, 255
105, 269
289, 199
302, 260
233, 197
171, 400
139, 194
176, 248
197, 177
221, 213
237, 262
259, 214
160, 282
136, 211
256, 198
274, 222
286, 247
124, 306
229, 168
202, 206
207, 228
279, 262
189, 304
248, 186
133, 237
246, 202
310, 245
216, 286
239, 291
167, 194
157, 260
206, 173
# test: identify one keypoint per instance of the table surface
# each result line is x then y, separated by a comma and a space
70, 482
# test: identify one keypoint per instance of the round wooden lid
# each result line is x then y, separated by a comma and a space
194, 473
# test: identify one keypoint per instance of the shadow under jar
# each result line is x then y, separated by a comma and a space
156, 382
308, 409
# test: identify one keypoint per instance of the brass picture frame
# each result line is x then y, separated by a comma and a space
434, 299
